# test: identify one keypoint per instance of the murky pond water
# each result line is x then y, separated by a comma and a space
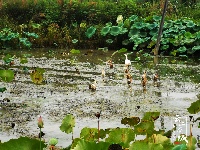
65, 91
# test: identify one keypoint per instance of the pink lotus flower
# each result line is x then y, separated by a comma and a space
40, 122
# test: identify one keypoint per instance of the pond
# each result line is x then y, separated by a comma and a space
66, 91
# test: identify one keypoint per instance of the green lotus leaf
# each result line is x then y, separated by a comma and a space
178, 21
189, 41
35, 25
3, 89
153, 32
173, 29
74, 51
197, 35
22, 143
180, 26
182, 32
53, 141
168, 24
157, 18
105, 30
123, 30
25, 42
8, 58
190, 24
182, 49
133, 18
74, 41
188, 35
152, 26
90, 32
122, 136
133, 32
130, 121
195, 48
143, 145
23, 60
67, 124
109, 41
180, 147
164, 47
7, 75
138, 25
31, 34
40, 70
109, 24
122, 50
194, 107
154, 38
143, 34
115, 30
165, 41
125, 42
88, 134
85, 145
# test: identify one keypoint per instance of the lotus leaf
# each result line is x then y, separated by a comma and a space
8, 58
122, 50
36, 77
115, 30
123, 30
143, 145
23, 60
133, 32
22, 143
157, 18
143, 34
154, 38
90, 32
173, 29
168, 24
109, 41
67, 124
25, 42
182, 49
109, 24
133, 18
88, 134
74, 41
194, 107
153, 32
125, 42
188, 41
7, 75
85, 145
195, 48
122, 136
105, 30
3, 89
152, 26
190, 24
198, 35
138, 25
31, 34
164, 47
130, 121
35, 25
180, 26
180, 147
75, 51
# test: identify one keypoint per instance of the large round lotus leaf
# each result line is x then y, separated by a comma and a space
157, 18
153, 32
22, 143
105, 30
182, 49
123, 30
125, 42
133, 32
168, 25
139, 145
109, 41
143, 34
115, 30
133, 18
164, 47
173, 29
180, 26
190, 24
152, 26
74, 41
7, 75
188, 35
194, 107
138, 25
90, 31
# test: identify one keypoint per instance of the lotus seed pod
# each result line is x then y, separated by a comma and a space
53, 141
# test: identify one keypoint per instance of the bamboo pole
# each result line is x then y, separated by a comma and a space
160, 29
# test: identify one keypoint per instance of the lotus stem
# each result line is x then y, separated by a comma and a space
98, 131
40, 138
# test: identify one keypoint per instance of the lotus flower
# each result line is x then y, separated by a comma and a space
119, 19
40, 122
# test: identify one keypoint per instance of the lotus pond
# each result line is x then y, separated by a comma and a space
64, 90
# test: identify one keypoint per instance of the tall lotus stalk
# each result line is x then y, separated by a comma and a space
40, 125
98, 114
